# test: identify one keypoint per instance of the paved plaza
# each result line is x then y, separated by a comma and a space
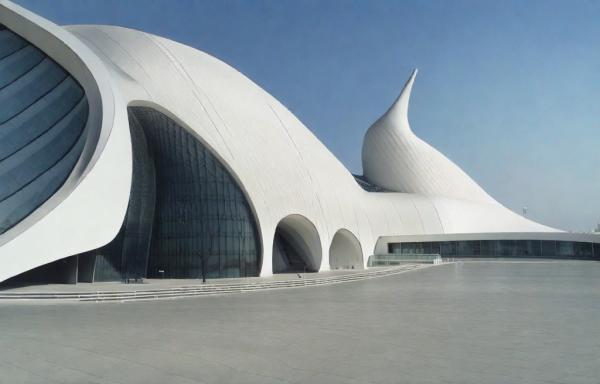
471, 322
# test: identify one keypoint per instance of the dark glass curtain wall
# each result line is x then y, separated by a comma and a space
547, 249
43, 113
186, 212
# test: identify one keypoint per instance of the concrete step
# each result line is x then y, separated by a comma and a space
204, 289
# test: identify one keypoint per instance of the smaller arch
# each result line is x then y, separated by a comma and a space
345, 251
296, 246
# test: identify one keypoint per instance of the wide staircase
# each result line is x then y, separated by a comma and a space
207, 289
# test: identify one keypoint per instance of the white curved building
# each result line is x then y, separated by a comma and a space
127, 155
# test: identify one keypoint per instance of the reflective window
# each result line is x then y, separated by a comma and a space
18, 64
449, 248
186, 212
9, 42
548, 248
43, 113
468, 248
502, 248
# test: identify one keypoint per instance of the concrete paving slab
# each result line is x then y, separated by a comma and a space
462, 323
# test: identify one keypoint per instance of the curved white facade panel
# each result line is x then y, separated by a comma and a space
85, 212
269, 192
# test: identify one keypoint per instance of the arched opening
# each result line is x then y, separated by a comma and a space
187, 216
345, 251
296, 246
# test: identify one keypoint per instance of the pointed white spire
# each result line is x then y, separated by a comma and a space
397, 115
396, 159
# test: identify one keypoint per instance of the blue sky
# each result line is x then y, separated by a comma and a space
509, 90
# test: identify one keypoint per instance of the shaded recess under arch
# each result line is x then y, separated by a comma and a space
187, 216
345, 251
296, 246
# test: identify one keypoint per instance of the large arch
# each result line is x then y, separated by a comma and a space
296, 246
345, 251
187, 216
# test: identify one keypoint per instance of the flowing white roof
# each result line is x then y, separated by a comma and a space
283, 169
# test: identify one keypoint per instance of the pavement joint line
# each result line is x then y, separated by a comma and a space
202, 290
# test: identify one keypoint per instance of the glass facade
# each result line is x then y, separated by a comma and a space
186, 216
548, 249
43, 113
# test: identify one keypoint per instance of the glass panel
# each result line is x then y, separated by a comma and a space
19, 205
533, 248
43, 112
487, 248
186, 212
448, 248
40, 117
548, 248
27, 89
565, 249
468, 248
583, 250
394, 248
42, 153
502, 248
10, 43
18, 64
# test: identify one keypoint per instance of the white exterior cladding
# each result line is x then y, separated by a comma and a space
418, 167
280, 165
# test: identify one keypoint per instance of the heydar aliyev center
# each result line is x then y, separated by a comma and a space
126, 155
